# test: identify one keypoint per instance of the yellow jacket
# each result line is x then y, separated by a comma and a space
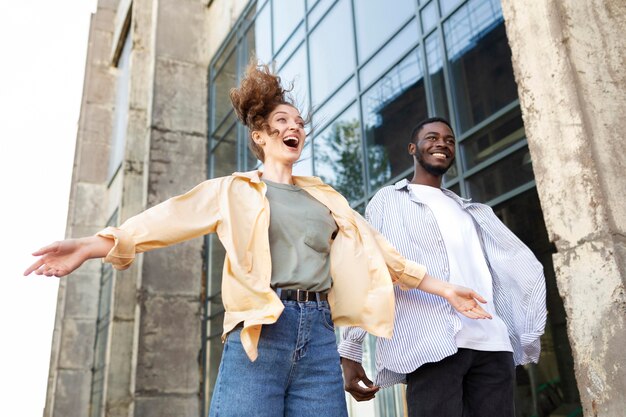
363, 265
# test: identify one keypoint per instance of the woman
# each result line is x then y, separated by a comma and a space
280, 233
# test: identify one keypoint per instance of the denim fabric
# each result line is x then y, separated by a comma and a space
470, 383
297, 372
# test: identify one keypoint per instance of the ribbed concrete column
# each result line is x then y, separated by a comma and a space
172, 105
71, 360
569, 60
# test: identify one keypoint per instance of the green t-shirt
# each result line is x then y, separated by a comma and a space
300, 235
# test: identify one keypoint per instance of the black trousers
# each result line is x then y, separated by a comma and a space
470, 383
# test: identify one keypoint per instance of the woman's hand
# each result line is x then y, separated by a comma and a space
61, 258
464, 300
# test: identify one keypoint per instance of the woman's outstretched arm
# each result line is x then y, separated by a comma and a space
61, 258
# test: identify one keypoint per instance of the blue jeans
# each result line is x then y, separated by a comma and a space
297, 372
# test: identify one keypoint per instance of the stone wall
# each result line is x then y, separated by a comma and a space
569, 61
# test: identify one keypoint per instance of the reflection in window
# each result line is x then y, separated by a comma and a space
335, 104
339, 157
304, 166
376, 21
287, 15
331, 65
391, 108
294, 74
225, 79
258, 37
389, 54
480, 61
103, 326
224, 155
505, 132
429, 16
295, 40
120, 124
447, 6
434, 61
550, 384
507, 174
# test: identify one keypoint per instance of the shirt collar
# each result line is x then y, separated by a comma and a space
300, 181
403, 185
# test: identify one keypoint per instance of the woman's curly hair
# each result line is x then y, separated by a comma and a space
256, 97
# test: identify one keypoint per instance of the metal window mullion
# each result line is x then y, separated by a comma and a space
512, 193
509, 108
492, 160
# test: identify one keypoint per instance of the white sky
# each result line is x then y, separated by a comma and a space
43, 46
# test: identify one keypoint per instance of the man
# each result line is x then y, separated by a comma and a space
450, 364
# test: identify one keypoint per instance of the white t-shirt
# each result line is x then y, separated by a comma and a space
467, 268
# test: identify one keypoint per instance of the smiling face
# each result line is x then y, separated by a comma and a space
434, 148
284, 143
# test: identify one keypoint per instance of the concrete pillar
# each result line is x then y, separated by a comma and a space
71, 361
569, 60
166, 156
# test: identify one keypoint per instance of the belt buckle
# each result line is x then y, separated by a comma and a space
306, 296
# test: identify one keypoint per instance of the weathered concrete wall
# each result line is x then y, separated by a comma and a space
569, 61
71, 362
172, 109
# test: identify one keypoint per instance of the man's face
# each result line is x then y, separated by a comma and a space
434, 149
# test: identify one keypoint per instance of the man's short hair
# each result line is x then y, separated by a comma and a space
418, 127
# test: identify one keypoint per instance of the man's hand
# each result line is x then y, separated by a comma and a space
353, 373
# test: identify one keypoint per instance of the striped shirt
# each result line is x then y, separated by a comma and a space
425, 325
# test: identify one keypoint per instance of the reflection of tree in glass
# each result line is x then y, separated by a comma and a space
340, 160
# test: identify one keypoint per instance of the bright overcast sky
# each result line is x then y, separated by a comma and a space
43, 45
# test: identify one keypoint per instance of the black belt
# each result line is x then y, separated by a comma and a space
300, 296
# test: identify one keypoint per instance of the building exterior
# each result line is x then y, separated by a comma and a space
534, 89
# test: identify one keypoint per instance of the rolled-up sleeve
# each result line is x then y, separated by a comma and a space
180, 218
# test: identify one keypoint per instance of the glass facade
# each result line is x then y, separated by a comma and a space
102, 333
370, 72
118, 139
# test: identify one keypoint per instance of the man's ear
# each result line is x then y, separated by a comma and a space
412, 148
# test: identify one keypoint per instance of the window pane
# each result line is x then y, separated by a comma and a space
434, 59
294, 41
394, 49
447, 6
304, 166
511, 172
339, 157
376, 21
287, 15
390, 110
429, 16
332, 66
224, 156
295, 71
320, 7
503, 133
455, 188
224, 81
259, 37
337, 102
480, 61
122, 96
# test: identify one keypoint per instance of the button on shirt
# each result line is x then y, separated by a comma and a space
363, 264
426, 325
